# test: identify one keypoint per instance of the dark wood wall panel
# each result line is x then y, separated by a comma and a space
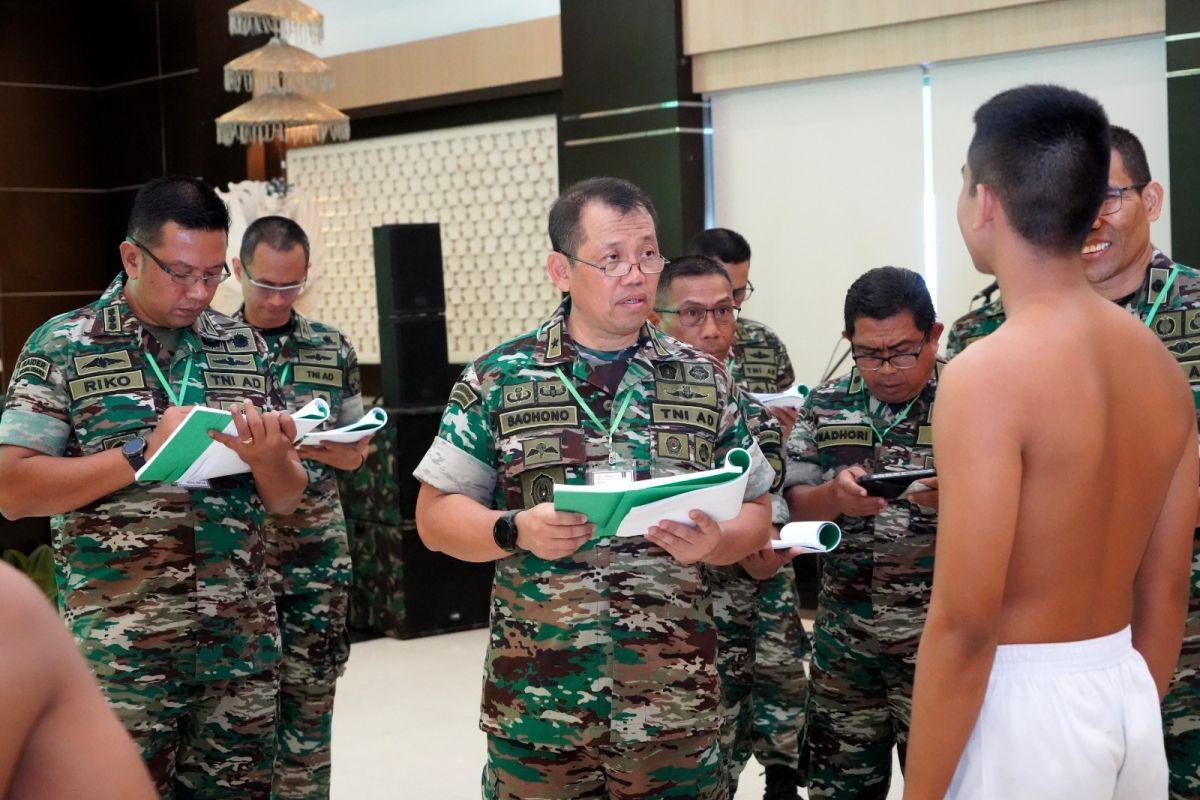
1183, 127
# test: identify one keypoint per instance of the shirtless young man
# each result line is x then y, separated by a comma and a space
1065, 447
59, 739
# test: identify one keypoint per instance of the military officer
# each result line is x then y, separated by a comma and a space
694, 304
875, 587
307, 551
163, 584
981, 320
759, 363
1124, 266
600, 673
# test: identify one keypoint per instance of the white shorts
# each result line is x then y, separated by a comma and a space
1066, 720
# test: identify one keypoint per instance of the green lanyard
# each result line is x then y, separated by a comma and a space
1163, 294
187, 372
900, 418
608, 434
283, 373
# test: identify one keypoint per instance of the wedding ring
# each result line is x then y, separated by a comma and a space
248, 441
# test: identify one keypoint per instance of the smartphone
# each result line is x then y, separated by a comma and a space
891, 485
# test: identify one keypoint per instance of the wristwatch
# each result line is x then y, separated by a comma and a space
134, 451
504, 532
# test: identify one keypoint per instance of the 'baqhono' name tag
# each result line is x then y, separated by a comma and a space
611, 477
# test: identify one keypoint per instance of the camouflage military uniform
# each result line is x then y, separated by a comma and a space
874, 588
976, 323
776, 681
309, 559
164, 588
614, 646
1177, 323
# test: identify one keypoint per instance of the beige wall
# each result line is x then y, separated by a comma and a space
463, 62
759, 42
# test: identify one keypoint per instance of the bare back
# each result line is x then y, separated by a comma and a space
1093, 431
59, 738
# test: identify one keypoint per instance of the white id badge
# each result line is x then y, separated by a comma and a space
609, 476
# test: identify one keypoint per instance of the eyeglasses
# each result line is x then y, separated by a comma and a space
897, 360
743, 294
649, 265
183, 278
693, 316
287, 290
1112, 198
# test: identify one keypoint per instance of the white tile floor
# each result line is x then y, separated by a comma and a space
406, 724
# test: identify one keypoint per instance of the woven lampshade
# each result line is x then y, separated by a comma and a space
282, 114
291, 19
278, 65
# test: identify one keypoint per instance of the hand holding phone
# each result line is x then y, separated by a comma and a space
890, 485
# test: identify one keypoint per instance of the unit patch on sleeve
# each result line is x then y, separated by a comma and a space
464, 395
32, 365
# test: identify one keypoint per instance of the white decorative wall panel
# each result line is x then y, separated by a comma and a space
489, 186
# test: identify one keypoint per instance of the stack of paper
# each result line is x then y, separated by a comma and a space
633, 508
191, 456
816, 537
372, 421
792, 398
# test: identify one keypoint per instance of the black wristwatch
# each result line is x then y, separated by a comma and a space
504, 532
134, 451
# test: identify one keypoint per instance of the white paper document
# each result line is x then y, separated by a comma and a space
372, 421
815, 537
792, 398
722, 502
190, 457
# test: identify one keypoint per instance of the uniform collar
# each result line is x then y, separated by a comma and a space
115, 318
555, 346
855, 385
302, 329
1157, 272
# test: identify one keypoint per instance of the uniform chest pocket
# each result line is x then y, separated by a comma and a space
842, 445
533, 461
110, 407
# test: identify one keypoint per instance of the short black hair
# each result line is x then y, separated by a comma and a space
885, 292
1045, 150
721, 244
1133, 156
568, 208
188, 202
687, 267
278, 233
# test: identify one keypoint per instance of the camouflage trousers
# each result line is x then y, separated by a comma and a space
316, 646
735, 612
202, 739
780, 682
688, 767
859, 701
1181, 706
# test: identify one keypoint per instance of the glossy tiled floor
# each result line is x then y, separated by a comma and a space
406, 725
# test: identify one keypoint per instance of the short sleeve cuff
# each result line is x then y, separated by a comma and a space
761, 473
453, 471
34, 431
801, 473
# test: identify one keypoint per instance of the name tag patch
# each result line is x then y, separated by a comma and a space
552, 417
688, 416
326, 376
844, 435
235, 380
111, 383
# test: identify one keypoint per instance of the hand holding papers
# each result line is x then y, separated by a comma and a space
189, 456
631, 509
814, 537
792, 398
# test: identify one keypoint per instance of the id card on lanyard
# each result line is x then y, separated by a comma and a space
613, 471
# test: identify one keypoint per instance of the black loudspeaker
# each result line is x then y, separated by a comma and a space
403, 589
416, 428
412, 323
408, 269
413, 365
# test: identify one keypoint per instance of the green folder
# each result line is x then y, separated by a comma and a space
606, 506
184, 445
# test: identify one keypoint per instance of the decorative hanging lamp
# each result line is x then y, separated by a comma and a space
291, 19
278, 65
280, 114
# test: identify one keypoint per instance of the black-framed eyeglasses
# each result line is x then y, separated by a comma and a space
743, 294
286, 290
1112, 198
649, 265
693, 316
182, 278
897, 360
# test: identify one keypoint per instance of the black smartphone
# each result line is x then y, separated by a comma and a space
891, 485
